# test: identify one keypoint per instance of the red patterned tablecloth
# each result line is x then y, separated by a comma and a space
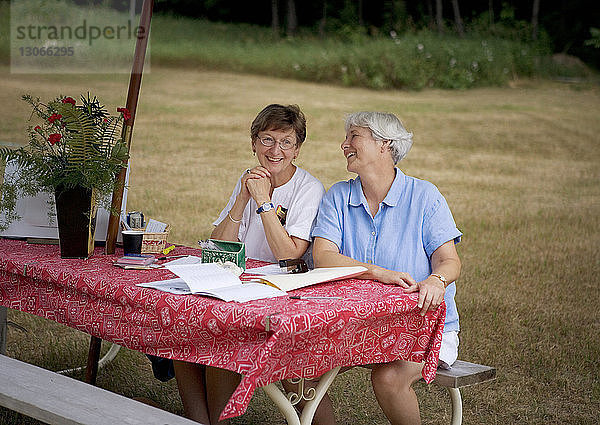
265, 340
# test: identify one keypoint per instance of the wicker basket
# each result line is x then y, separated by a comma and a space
153, 243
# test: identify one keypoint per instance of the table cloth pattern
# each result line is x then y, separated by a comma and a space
264, 340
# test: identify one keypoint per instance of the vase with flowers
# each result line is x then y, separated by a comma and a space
75, 152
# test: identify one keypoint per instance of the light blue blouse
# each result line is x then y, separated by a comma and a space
412, 222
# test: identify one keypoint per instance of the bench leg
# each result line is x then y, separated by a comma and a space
456, 405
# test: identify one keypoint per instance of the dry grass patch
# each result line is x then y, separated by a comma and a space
519, 167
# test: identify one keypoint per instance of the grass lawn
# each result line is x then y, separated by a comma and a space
518, 166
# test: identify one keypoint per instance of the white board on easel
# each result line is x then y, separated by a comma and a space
38, 215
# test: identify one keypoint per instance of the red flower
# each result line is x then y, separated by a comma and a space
37, 128
125, 112
54, 138
54, 117
69, 100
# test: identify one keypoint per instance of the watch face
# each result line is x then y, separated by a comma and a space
267, 206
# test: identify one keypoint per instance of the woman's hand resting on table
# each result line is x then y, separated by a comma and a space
404, 280
431, 294
431, 290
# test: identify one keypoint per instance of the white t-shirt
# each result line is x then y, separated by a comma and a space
296, 203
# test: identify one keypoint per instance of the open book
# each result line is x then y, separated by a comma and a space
212, 280
238, 292
290, 281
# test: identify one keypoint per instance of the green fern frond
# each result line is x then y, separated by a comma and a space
106, 135
81, 143
21, 156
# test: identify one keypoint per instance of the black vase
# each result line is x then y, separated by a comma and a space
76, 216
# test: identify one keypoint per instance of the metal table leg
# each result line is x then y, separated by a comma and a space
3, 328
314, 397
108, 357
94, 353
92, 363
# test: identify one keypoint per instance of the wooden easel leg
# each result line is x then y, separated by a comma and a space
3, 329
92, 364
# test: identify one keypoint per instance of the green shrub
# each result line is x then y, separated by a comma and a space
488, 56
408, 61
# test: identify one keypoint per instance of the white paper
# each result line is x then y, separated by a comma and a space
190, 259
246, 292
264, 270
239, 293
291, 281
155, 226
204, 276
174, 286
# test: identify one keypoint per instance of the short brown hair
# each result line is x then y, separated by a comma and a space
280, 117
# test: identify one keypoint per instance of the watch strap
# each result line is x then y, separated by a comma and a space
267, 206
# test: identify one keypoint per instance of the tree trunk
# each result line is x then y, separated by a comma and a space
534, 19
275, 17
361, 21
430, 20
439, 19
292, 20
323, 21
457, 19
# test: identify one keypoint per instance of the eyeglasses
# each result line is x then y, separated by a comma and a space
269, 142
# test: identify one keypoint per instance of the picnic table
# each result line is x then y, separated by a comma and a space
264, 340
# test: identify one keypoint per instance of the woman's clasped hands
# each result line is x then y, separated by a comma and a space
256, 184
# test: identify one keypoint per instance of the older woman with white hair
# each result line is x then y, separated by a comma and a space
401, 229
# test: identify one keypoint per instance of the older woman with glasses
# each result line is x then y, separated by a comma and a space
274, 204
272, 210
401, 229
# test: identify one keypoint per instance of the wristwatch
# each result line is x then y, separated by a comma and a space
440, 277
267, 206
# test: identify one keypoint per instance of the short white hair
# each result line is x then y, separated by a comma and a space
384, 126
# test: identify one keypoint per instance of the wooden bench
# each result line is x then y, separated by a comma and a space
462, 374
58, 399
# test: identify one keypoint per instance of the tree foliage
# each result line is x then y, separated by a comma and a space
566, 23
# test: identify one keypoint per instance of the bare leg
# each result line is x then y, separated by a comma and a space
392, 383
324, 414
192, 390
220, 384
